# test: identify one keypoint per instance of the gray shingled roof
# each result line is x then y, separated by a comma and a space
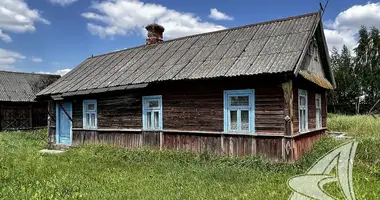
23, 87
269, 47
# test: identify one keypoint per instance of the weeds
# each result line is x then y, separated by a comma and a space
106, 172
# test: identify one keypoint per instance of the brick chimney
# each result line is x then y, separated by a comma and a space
155, 34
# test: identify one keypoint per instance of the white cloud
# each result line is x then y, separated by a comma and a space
36, 59
343, 30
5, 37
124, 17
17, 17
59, 72
217, 15
8, 59
63, 2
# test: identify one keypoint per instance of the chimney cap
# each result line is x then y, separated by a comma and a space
155, 26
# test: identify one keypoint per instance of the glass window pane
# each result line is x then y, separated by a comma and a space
303, 120
92, 120
148, 120
239, 100
317, 103
87, 120
152, 104
244, 120
156, 119
90, 107
233, 120
302, 101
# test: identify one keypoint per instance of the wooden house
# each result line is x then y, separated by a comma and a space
258, 89
18, 108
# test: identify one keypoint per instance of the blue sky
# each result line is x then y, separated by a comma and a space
53, 36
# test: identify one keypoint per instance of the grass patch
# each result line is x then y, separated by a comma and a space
105, 172
357, 125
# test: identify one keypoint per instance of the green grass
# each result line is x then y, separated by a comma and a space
357, 125
105, 172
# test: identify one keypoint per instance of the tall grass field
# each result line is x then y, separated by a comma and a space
106, 172
358, 125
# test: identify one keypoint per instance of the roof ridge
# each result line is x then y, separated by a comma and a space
29, 73
213, 32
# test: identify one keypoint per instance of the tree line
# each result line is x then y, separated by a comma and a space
357, 75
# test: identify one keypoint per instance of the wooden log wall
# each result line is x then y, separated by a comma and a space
187, 106
311, 91
218, 144
195, 107
303, 143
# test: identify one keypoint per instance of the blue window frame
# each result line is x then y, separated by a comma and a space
239, 111
90, 116
303, 115
318, 111
152, 112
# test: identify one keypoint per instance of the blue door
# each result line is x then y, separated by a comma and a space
63, 127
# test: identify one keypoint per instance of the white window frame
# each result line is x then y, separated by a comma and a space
145, 110
250, 108
90, 112
318, 107
303, 93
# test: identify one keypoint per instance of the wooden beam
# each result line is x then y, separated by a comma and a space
288, 107
64, 110
287, 143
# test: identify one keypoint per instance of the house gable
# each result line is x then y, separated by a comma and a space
315, 65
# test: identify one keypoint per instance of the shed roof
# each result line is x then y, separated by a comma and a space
23, 87
268, 47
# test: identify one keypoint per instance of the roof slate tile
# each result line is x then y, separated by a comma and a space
268, 47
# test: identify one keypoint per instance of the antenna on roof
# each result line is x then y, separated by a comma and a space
323, 8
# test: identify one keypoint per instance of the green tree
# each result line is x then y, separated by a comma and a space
367, 65
347, 91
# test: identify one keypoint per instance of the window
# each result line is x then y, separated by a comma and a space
302, 110
318, 111
152, 112
90, 118
239, 113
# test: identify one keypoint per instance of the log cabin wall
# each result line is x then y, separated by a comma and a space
187, 106
311, 91
304, 141
192, 118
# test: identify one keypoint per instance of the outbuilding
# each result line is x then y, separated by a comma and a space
18, 108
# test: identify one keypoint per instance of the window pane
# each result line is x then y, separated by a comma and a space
148, 120
319, 118
87, 120
233, 120
92, 120
303, 120
156, 120
318, 103
302, 101
152, 104
239, 100
90, 107
244, 120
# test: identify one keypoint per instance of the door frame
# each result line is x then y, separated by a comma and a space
58, 119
